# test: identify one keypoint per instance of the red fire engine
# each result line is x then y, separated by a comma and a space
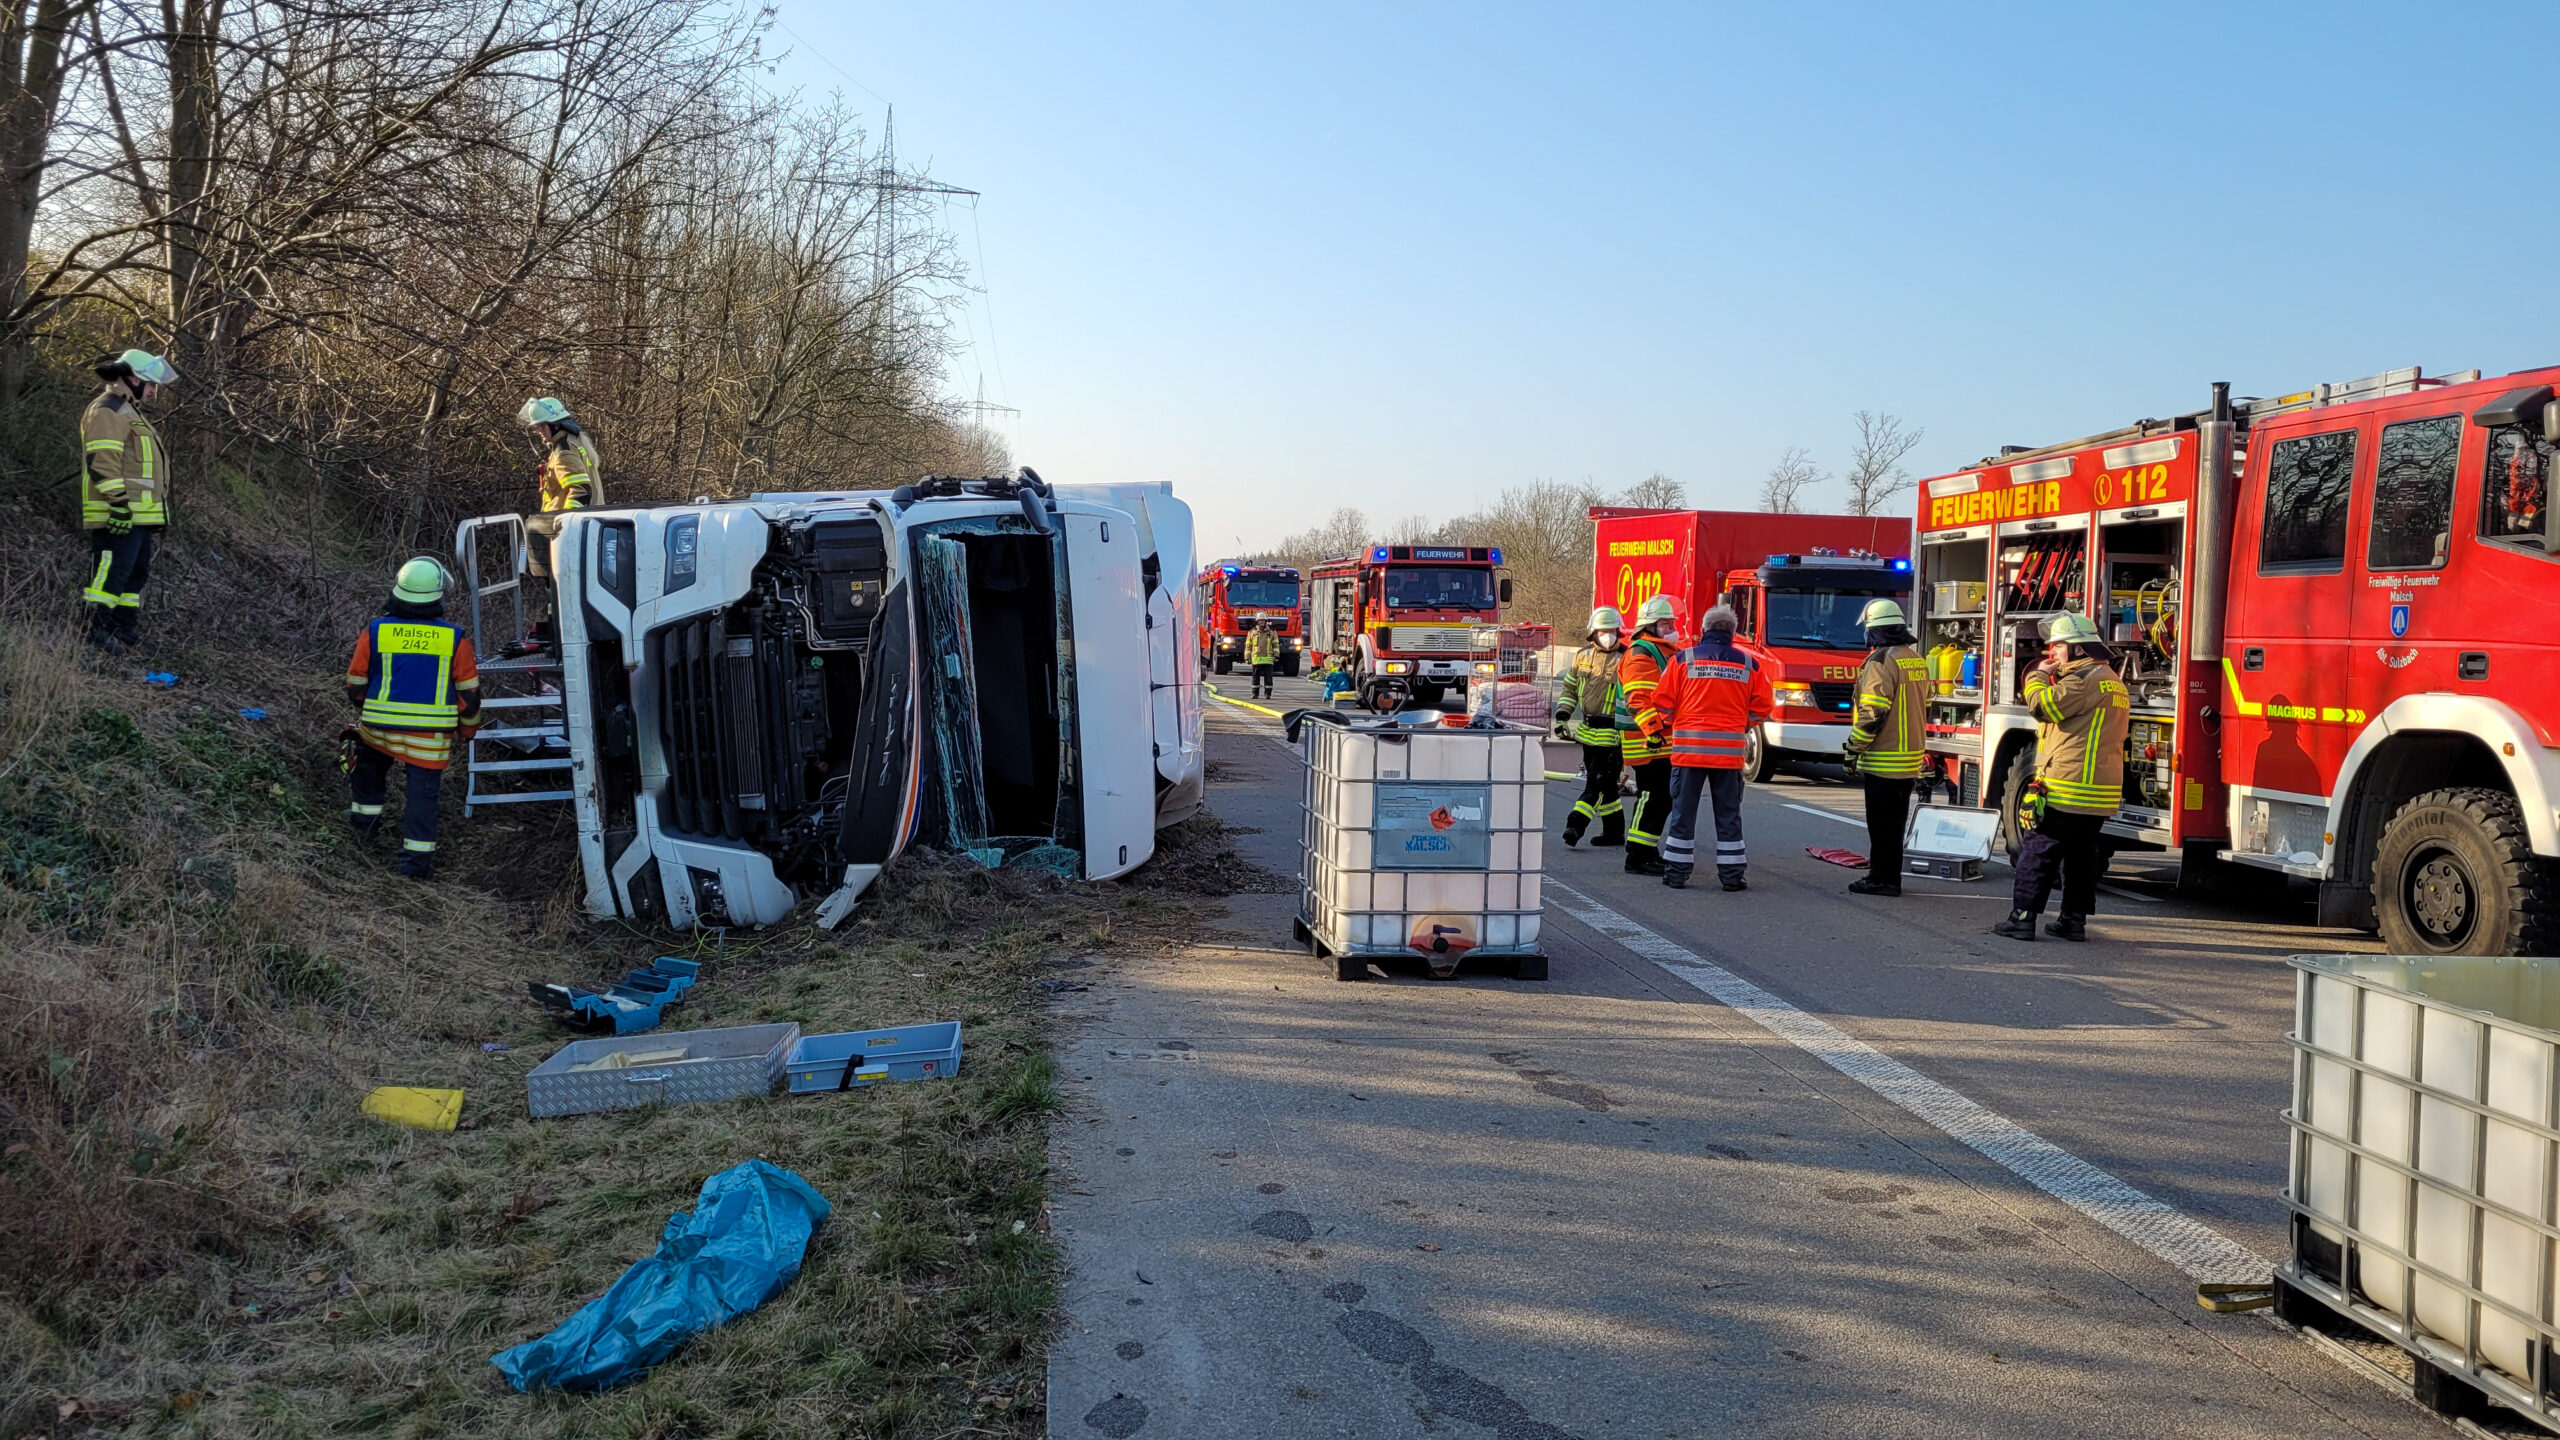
1238, 595
1411, 622
2328, 608
1798, 583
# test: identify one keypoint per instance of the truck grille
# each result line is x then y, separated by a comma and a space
1837, 697
709, 727
1406, 639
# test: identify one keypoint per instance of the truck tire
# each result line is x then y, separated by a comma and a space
1429, 696
1289, 664
2012, 786
1759, 759
2455, 875
1225, 664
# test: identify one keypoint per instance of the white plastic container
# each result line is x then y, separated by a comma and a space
2425, 1158
1425, 842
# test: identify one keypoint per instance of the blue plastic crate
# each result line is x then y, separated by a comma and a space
854, 1058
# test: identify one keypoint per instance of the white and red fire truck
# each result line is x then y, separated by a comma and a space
1409, 622
2332, 609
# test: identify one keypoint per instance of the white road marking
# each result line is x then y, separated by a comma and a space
2203, 1253
1996, 860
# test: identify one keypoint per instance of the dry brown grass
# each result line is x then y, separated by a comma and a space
201, 974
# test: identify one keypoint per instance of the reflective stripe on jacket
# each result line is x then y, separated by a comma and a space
1261, 647
1643, 731
2086, 712
415, 674
1712, 694
1590, 692
120, 459
1891, 729
572, 474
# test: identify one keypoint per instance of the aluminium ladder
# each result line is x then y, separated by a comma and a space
525, 692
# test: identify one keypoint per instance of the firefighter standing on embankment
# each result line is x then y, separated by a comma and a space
1262, 651
1713, 693
416, 686
1644, 732
124, 495
1586, 713
1887, 739
2084, 712
571, 478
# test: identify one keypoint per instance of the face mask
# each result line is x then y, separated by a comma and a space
1608, 639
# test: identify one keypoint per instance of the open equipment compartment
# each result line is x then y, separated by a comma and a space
2142, 552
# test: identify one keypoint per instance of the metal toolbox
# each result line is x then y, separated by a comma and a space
2424, 1157
819, 1063
725, 1064
1958, 597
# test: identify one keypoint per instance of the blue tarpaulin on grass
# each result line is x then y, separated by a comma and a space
740, 1246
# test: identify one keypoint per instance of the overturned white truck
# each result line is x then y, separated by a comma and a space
770, 699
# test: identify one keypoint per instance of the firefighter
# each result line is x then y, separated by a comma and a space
571, 478
2083, 712
1644, 732
1712, 694
124, 495
416, 687
1262, 651
1587, 714
1887, 740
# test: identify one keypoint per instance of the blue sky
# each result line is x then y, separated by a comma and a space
1401, 257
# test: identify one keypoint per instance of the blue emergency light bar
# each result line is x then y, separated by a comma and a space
1381, 553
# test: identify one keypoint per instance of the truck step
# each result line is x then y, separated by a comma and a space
498, 767
521, 797
524, 732
516, 702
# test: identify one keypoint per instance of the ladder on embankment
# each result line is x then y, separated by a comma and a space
524, 739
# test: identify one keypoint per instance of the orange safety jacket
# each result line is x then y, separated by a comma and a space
1644, 731
1713, 694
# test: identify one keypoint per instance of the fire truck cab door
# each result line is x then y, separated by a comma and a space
2412, 607
2287, 642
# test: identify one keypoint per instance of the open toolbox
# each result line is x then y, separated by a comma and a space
851, 1059
635, 1005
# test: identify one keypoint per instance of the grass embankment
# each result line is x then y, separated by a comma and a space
201, 974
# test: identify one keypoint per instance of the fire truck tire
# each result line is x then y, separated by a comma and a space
1760, 760
1428, 696
2012, 787
1289, 664
1225, 664
2456, 875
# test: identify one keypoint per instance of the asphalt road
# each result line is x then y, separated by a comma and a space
1747, 1164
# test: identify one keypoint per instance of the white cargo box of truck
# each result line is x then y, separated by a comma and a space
2424, 1163
1423, 842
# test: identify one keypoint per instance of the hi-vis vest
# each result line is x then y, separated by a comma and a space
1892, 713
2080, 748
410, 684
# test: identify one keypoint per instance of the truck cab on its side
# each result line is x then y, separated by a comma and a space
771, 698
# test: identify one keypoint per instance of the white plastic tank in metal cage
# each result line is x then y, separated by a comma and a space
1423, 842
2425, 1162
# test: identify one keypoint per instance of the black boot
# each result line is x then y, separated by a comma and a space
1573, 829
2068, 927
1732, 882
102, 630
2021, 925
1870, 885
1675, 876
1613, 830
1643, 860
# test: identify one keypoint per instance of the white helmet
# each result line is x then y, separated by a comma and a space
1656, 608
1606, 618
1881, 615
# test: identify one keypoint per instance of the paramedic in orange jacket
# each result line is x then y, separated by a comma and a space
1713, 693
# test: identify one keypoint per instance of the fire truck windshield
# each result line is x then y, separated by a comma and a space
1433, 587
1263, 594
1820, 619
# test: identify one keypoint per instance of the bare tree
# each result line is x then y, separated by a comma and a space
1656, 491
1875, 472
1341, 533
1782, 489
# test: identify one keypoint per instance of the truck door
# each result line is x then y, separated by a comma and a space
2286, 652
2404, 626
1115, 767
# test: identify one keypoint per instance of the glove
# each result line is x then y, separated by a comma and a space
1564, 713
119, 518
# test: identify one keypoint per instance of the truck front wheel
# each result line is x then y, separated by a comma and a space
2456, 875
1289, 664
1225, 664
1759, 758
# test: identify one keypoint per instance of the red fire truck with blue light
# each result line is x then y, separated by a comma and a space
1410, 623
1237, 596
2327, 606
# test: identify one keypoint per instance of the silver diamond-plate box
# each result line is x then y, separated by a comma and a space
724, 1064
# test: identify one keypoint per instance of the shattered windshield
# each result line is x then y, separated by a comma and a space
1820, 619
1439, 588
1263, 594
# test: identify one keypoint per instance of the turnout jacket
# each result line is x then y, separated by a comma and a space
1644, 732
1590, 693
1890, 733
1712, 693
2085, 711
572, 474
121, 459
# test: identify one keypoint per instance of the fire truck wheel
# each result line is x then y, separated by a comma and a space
1289, 664
1759, 760
2456, 875
1428, 696
2013, 793
1226, 665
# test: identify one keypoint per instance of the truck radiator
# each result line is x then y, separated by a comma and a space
1835, 696
710, 728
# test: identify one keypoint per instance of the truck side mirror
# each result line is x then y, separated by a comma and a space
1504, 590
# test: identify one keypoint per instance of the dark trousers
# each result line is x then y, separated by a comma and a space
119, 566
1722, 791
1651, 810
1888, 811
368, 785
2064, 847
1601, 765
1261, 679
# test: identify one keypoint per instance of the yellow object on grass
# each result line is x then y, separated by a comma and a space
414, 1105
